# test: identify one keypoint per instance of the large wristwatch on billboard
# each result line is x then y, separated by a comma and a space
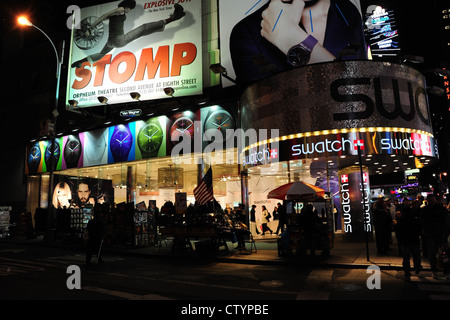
72, 151
121, 142
299, 54
182, 128
150, 138
52, 147
34, 158
219, 120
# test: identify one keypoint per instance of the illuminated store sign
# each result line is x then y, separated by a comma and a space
447, 89
355, 210
370, 141
140, 51
381, 32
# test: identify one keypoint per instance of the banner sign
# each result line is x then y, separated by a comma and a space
355, 211
342, 144
118, 51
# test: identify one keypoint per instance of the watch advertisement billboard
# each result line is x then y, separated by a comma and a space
140, 46
179, 134
249, 55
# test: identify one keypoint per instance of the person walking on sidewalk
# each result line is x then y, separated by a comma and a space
95, 237
382, 222
265, 220
253, 218
408, 236
433, 226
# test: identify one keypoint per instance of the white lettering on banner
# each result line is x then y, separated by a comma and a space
326, 146
366, 203
406, 144
346, 207
262, 156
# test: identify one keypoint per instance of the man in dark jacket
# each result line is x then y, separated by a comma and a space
95, 234
408, 235
433, 217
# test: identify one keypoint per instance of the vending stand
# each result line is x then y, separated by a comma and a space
309, 219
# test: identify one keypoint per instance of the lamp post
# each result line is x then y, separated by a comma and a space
25, 22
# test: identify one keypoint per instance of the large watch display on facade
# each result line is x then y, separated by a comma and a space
182, 128
220, 120
150, 137
72, 151
121, 142
34, 158
52, 147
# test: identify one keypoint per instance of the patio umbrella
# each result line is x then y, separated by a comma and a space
297, 191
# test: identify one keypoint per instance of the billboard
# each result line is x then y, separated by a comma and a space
135, 46
181, 133
381, 31
250, 56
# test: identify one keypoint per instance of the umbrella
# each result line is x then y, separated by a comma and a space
297, 191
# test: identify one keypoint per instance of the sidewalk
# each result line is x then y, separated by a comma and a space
343, 255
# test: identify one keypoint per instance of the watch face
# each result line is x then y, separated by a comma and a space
34, 158
121, 142
52, 147
150, 137
298, 56
220, 120
72, 151
182, 128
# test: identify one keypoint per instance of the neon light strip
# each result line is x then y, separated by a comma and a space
336, 131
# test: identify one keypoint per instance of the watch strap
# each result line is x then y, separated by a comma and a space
309, 43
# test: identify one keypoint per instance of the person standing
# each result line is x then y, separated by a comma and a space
265, 220
282, 218
382, 222
433, 217
408, 235
95, 237
253, 218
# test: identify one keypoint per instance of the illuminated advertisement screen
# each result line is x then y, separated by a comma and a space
135, 46
75, 192
250, 56
381, 31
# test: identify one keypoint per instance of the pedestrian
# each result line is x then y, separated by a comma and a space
282, 218
408, 235
309, 222
382, 222
95, 237
265, 220
253, 218
433, 217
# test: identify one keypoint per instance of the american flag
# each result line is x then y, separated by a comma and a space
203, 193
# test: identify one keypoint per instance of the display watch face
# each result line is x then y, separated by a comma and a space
182, 128
150, 137
34, 158
121, 142
52, 147
72, 151
220, 120
298, 56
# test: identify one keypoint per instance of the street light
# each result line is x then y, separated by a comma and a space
22, 20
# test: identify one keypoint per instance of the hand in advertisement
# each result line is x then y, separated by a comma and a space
281, 24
